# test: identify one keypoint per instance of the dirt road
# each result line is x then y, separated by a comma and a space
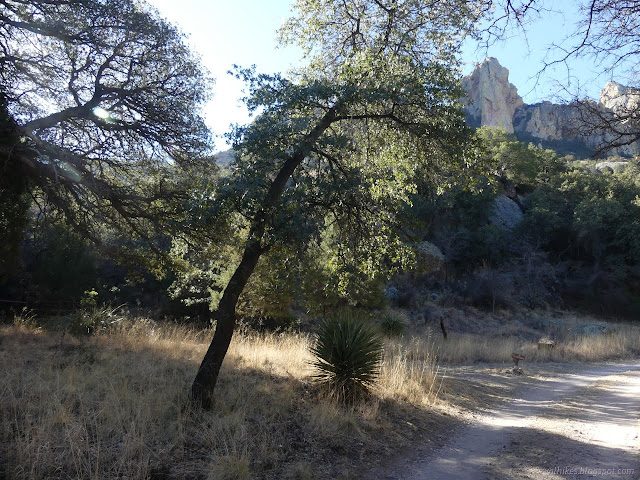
573, 426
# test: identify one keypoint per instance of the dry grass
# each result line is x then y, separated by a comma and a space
622, 342
409, 373
115, 405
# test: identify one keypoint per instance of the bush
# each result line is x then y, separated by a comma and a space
392, 325
62, 265
348, 357
87, 321
283, 323
92, 320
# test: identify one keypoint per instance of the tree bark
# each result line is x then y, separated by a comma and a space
207, 376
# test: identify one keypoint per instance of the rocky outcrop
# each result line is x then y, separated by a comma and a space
506, 213
613, 166
547, 121
593, 328
618, 98
429, 258
492, 99
623, 102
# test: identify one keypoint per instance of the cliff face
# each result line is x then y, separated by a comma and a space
493, 101
546, 121
619, 98
624, 102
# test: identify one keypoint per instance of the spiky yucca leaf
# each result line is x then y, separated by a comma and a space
392, 325
348, 356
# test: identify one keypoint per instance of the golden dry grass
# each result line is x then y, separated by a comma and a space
115, 405
409, 373
622, 342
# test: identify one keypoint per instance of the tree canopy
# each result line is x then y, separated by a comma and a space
99, 99
341, 145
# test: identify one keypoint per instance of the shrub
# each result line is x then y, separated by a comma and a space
392, 325
63, 265
93, 319
283, 323
87, 321
348, 357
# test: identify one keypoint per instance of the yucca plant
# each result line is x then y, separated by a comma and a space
392, 325
348, 356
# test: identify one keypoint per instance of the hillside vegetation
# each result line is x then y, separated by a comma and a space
571, 240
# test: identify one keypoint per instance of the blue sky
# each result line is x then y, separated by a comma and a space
243, 32
224, 33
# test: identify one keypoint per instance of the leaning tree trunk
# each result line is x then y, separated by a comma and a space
207, 376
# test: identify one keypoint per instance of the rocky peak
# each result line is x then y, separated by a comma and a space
618, 97
492, 99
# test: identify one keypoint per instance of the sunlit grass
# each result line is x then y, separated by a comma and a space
116, 405
621, 343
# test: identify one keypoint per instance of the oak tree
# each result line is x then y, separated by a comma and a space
341, 144
99, 103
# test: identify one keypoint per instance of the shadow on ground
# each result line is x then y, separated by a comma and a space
113, 407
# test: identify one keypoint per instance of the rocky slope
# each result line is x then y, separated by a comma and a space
493, 101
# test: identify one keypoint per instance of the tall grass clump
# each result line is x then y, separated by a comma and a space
410, 372
348, 356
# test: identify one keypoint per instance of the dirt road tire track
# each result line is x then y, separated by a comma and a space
576, 425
